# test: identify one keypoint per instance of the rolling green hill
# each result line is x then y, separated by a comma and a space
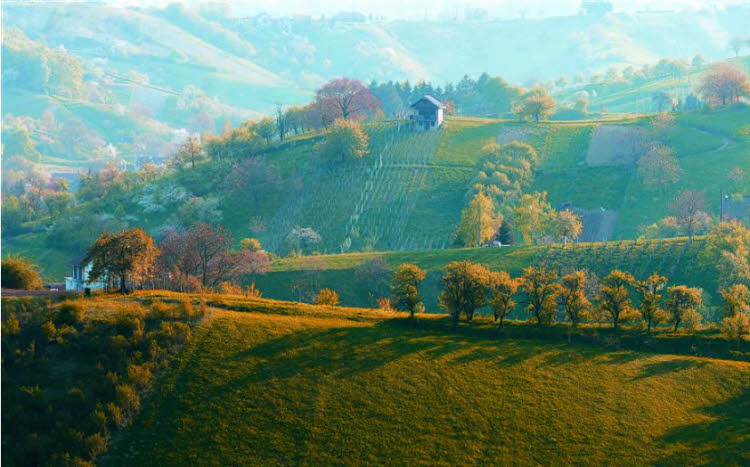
144, 76
621, 95
407, 193
289, 383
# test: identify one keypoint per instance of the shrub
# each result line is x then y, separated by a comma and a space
99, 418
692, 321
250, 244
384, 304
96, 445
114, 415
155, 351
70, 313
344, 140
159, 310
128, 399
48, 329
178, 333
185, 309
230, 289
327, 297
736, 326
20, 273
128, 324
76, 396
140, 375
252, 291
11, 326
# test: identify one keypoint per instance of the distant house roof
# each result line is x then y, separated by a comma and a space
431, 100
78, 260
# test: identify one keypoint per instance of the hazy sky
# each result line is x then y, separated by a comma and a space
434, 9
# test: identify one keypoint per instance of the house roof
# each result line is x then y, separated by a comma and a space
431, 100
78, 260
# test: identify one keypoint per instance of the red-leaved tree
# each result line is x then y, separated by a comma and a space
344, 98
724, 83
201, 252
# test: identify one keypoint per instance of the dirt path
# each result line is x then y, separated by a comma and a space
725, 141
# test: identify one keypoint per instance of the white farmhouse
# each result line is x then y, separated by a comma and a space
426, 114
79, 281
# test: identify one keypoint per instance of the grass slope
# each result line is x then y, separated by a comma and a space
348, 387
675, 258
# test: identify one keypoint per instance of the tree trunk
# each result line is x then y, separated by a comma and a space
122, 284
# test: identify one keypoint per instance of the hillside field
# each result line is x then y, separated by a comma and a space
407, 194
292, 278
290, 383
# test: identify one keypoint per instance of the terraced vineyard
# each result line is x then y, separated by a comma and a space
367, 203
676, 258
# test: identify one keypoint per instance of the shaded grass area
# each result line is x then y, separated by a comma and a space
73, 373
259, 388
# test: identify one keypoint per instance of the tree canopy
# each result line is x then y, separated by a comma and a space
344, 140
19, 273
128, 254
724, 83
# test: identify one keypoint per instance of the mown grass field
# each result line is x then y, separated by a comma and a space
288, 383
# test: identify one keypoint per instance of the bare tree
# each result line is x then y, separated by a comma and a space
688, 210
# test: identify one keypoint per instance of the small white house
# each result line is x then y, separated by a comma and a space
79, 281
426, 114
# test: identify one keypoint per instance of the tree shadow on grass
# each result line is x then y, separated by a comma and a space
347, 351
668, 366
723, 440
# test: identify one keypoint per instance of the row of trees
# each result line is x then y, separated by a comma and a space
724, 83
499, 205
487, 95
32, 194
577, 297
196, 259
533, 217
492, 96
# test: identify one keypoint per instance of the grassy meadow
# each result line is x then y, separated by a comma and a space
292, 383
